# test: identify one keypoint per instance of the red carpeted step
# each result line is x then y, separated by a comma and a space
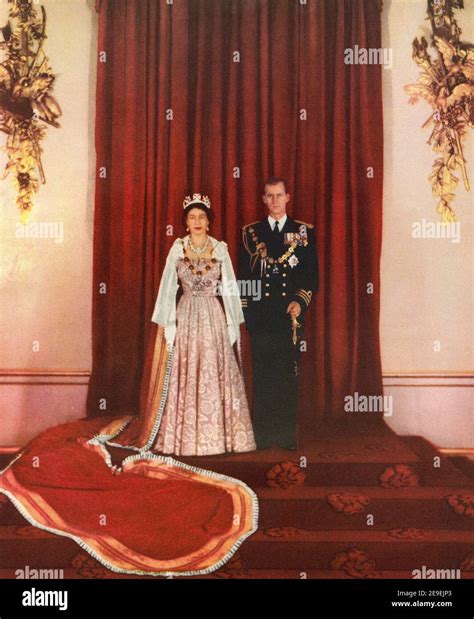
465, 464
360, 465
318, 549
254, 473
345, 507
343, 460
302, 550
232, 571
317, 508
325, 473
436, 466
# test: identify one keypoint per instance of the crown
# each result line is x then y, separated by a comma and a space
196, 199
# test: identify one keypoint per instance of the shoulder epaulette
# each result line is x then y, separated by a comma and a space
298, 221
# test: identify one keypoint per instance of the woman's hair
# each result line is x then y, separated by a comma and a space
209, 212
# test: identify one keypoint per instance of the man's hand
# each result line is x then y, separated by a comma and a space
294, 308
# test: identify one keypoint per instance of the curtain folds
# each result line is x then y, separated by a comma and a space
214, 96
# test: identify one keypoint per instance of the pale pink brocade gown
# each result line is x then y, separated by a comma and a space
206, 409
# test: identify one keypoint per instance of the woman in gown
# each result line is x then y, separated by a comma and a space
163, 517
206, 409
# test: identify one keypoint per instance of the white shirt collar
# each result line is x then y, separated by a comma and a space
281, 222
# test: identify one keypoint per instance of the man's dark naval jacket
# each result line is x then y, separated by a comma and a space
286, 265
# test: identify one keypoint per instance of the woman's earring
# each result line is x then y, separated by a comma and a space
187, 229
207, 228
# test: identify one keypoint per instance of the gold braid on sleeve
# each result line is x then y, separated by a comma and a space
305, 295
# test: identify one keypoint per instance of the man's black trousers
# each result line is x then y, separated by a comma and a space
275, 387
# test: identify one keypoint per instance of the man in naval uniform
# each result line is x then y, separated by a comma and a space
278, 273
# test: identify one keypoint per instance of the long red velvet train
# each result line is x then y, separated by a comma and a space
150, 514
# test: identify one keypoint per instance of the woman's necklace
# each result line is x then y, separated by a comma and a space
198, 250
198, 271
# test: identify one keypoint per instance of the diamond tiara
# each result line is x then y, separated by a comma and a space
196, 199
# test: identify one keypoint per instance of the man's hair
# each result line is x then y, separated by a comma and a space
274, 180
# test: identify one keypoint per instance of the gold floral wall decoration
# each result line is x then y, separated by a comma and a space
26, 103
446, 82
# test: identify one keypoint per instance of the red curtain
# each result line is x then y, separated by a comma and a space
214, 96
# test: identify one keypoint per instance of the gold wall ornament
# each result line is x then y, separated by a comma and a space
446, 82
26, 103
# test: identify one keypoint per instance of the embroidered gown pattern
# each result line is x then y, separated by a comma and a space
206, 409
